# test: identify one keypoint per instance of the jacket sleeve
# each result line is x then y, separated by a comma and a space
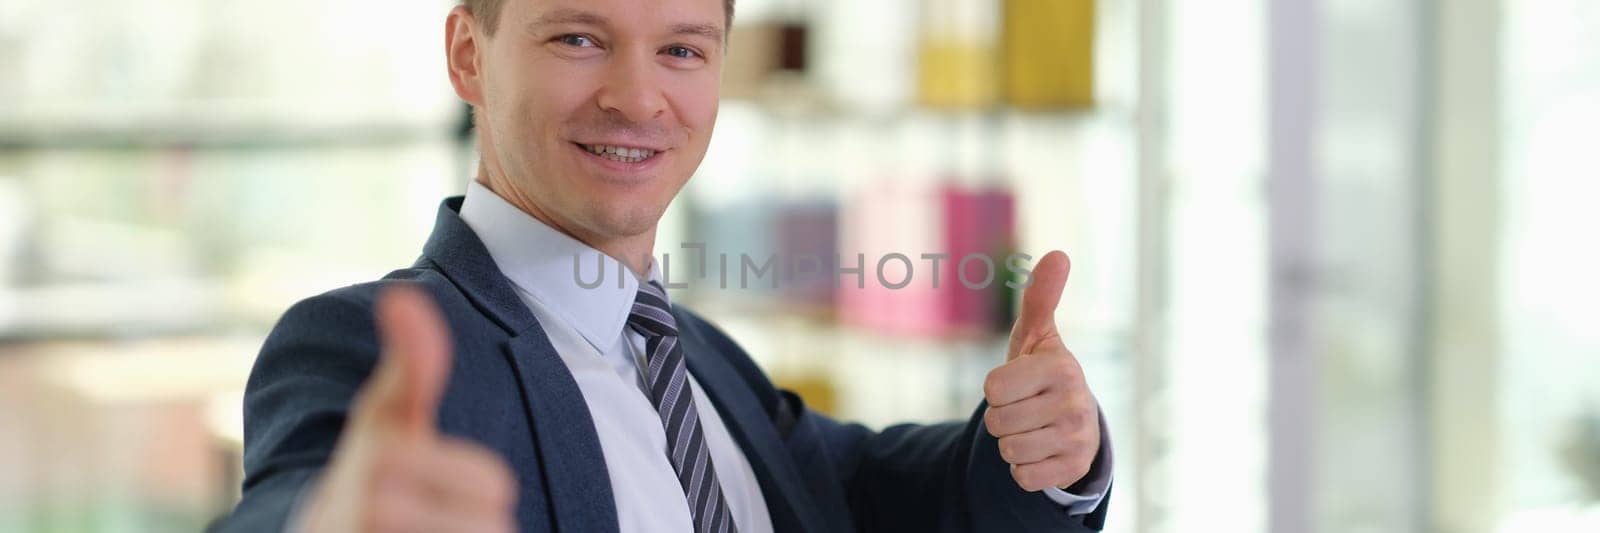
941, 477
296, 401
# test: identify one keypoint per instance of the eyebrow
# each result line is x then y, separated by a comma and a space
709, 31
568, 16
573, 16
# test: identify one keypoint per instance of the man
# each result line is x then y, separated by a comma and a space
483, 389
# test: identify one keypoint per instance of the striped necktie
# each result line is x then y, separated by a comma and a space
674, 402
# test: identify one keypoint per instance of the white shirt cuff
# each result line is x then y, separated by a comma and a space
1081, 504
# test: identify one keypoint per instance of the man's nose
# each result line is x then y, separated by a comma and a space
633, 89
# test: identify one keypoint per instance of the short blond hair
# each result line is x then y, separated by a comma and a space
488, 12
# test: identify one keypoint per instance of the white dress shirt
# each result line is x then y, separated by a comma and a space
587, 327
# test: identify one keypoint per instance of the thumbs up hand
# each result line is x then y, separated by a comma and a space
392, 470
1040, 407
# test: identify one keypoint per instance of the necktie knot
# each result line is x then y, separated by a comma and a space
651, 315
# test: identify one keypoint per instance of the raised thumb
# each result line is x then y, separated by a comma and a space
410, 378
1036, 320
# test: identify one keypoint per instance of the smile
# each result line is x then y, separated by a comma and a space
620, 154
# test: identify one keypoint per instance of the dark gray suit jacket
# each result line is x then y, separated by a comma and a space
509, 391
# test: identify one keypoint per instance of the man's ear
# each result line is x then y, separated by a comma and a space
463, 49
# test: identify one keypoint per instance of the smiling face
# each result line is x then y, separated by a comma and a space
591, 114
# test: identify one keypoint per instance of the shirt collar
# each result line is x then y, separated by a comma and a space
540, 261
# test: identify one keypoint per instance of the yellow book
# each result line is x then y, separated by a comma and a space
1048, 53
957, 75
958, 64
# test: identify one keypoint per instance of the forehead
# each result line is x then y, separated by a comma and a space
622, 14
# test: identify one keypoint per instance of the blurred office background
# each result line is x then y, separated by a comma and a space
1334, 260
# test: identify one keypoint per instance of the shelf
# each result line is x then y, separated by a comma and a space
160, 136
92, 310
217, 124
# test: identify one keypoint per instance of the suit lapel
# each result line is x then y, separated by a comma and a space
571, 461
782, 487
574, 465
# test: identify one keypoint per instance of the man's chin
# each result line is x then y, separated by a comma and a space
624, 221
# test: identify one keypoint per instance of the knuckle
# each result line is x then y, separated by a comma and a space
1063, 438
1089, 446
1028, 478
1068, 418
1086, 416
1064, 366
992, 385
1064, 408
1009, 450
1076, 470
1009, 421
993, 419
1021, 476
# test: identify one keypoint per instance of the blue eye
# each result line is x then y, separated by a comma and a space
576, 41
683, 52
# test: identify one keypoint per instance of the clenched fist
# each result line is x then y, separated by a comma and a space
392, 470
1040, 407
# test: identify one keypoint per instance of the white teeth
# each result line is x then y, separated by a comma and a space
620, 153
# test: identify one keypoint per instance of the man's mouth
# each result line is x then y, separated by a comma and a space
620, 154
